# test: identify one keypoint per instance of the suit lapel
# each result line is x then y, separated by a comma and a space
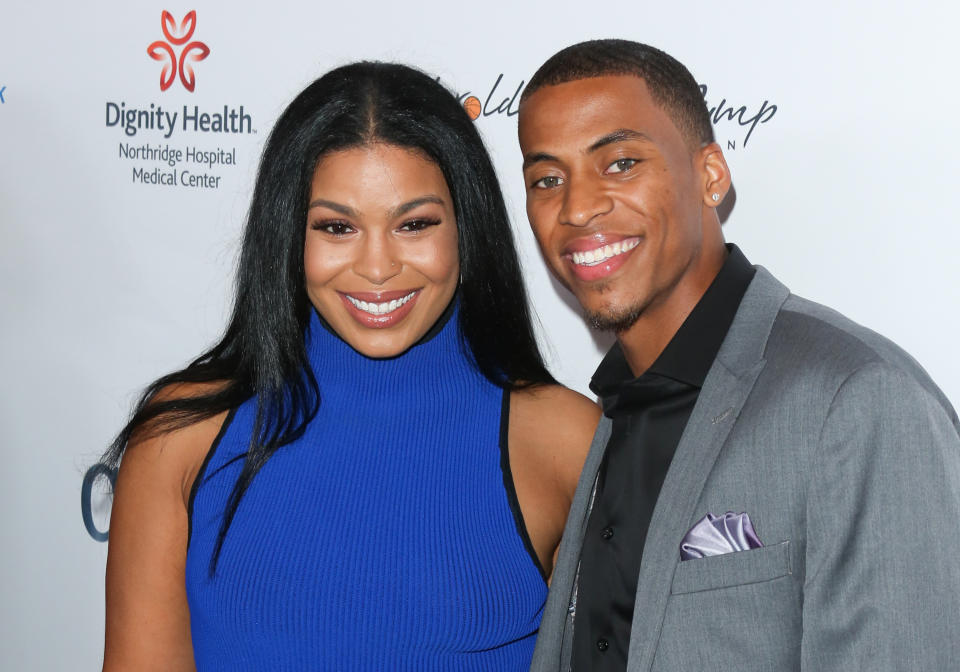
724, 392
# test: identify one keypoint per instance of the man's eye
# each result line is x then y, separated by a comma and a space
548, 182
621, 165
334, 228
416, 225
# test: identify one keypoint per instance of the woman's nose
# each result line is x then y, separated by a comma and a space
377, 261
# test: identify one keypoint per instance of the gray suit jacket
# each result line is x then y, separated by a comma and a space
847, 458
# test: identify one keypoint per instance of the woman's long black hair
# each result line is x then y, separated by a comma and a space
262, 352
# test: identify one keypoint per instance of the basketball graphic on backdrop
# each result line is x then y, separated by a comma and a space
473, 107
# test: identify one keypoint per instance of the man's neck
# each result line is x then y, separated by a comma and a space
647, 338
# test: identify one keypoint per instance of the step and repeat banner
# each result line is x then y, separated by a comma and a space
129, 137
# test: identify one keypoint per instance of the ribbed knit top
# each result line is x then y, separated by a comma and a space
386, 538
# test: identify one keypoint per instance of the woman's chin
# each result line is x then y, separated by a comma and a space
381, 348
379, 343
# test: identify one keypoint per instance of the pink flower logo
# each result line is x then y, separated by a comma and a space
191, 53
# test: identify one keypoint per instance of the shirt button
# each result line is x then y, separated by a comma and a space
606, 533
603, 644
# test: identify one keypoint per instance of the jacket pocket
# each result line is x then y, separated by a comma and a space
732, 569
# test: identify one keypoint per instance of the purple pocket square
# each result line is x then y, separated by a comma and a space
714, 535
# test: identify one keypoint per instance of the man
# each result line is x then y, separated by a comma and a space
773, 487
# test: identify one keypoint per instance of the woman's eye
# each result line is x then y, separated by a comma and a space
621, 165
334, 228
416, 225
548, 182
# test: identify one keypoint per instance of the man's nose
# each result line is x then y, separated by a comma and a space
583, 199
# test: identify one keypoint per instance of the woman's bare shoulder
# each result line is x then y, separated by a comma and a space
550, 432
171, 456
555, 426
559, 403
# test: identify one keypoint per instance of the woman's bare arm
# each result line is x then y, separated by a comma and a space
148, 622
550, 432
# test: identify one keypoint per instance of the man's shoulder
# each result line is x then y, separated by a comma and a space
832, 348
831, 334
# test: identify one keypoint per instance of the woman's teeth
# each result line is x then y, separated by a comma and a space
380, 308
601, 254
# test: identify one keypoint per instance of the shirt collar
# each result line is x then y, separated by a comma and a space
690, 353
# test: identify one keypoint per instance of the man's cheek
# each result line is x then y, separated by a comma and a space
542, 234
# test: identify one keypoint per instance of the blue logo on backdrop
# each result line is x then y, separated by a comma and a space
96, 473
2, 89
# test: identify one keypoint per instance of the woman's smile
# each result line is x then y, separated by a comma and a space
380, 310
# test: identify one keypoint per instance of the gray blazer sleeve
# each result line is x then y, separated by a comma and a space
882, 586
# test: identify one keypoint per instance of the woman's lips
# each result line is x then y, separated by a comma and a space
595, 259
379, 310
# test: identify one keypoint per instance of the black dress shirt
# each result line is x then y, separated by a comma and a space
649, 415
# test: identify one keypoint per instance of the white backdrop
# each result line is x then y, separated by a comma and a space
846, 192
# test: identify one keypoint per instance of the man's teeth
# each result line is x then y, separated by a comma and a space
380, 308
601, 254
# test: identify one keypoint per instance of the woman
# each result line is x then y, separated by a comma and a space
372, 469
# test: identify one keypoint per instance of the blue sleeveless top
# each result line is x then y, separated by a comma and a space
387, 537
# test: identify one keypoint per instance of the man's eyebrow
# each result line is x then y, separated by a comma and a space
538, 157
403, 209
333, 205
619, 135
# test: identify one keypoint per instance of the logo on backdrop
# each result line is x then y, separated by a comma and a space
746, 118
95, 500
500, 99
503, 98
3, 90
177, 143
175, 64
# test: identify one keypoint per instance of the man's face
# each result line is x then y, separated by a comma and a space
615, 196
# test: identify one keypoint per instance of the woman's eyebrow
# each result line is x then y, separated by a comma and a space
333, 205
410, 205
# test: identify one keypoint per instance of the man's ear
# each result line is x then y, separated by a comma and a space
715, 174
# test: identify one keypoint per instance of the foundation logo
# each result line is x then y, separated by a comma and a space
735, 121
744, 117
165, 51
498, 100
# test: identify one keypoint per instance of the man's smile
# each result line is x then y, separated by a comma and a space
600, 254
597, 256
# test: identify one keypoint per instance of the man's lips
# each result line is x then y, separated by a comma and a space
595, 257
595, 241
379, 309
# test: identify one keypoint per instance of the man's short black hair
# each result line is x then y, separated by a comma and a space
670, 83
